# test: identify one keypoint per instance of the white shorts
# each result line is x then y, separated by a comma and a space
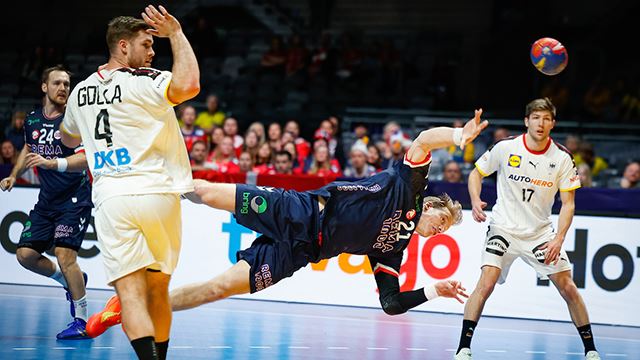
501, 248
139, 231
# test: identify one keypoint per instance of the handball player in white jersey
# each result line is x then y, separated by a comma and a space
531, 169
123, 113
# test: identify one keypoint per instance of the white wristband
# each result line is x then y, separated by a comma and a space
62, 164
430, 292
457, 136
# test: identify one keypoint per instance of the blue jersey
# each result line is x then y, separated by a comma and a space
375, 216
57, 189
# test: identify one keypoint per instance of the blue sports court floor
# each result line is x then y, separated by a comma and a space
30, 316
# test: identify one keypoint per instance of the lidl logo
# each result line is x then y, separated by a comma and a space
515, 160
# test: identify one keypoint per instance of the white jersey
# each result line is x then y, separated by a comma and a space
130, 133
527, 183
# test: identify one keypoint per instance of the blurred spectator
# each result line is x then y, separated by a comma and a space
198, 157
9, 155
190, 132
631, 176
358, 166
296, 56
263, 160
326, 131
303, 148
399, 145
361, 132
322, 58
223, 157
389, 129
597, 98
216, 137
584, 173
230, 128
15, 131
373, 157
212, 116
322, 164
462, 156
274, 59
587, 155
286, 138
336, 146
298, 162
258, 128
283, 163
572, 143
500, 134
452, 172
275, 136
350, 58
251, 144
245, 162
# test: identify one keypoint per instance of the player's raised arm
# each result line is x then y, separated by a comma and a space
441, 137
185, 82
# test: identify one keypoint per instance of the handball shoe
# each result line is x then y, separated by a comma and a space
108, 317
76, 330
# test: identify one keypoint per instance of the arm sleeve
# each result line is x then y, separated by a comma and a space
569, 179
394, 302
150, 86
414, 174
69, 124
489, 162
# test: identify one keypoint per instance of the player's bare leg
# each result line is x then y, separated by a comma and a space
234, 281
578, 310
219, 196
132, 292
34, 261
474, 306
67, 260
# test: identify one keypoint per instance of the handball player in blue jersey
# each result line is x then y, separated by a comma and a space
63, 211
375, 216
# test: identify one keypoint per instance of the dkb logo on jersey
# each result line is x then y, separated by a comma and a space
515, 160
259, 204
103, 158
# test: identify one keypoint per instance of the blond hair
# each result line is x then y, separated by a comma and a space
445, 202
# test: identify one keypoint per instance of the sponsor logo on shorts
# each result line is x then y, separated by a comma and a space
259, 204
497, 245
25, 232
538, 253
515, 160
245, 203
263, 278
63, 231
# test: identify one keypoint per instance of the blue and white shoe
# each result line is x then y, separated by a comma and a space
72, 309
76, 330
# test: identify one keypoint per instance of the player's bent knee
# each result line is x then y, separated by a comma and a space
569, 292
26, 256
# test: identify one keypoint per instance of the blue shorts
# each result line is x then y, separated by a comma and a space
289, 222
61, 228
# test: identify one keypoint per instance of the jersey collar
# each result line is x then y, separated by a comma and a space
534, 152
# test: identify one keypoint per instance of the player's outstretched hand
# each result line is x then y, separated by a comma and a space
163, 24
472, 128
35, 159
7, 183
477, 211
451, 289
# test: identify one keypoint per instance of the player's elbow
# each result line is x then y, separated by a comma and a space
392, 307
181, 93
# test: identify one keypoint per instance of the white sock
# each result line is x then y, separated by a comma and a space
59, 277
81, 308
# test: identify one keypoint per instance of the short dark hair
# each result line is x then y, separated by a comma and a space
123, 27
544, 104
46, 72
285, 153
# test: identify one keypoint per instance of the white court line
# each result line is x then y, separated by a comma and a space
102, 347
219, 347
613, 355
450, 350
299, 347
23, 349
260, 347
574, 353
535, 352
180, 347
63, 348
377, 348
496, 351
253, 312
417, 349
337, 348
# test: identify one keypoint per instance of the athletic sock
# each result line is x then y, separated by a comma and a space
468, 327
587, 338
81, 308
59, 277
162, 349
145, 348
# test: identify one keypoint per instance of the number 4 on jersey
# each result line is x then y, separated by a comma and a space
103, 116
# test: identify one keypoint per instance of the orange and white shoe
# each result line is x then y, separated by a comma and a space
109, 316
